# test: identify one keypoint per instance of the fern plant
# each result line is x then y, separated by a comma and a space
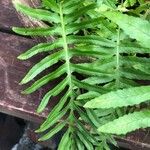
66, 19
123, 98
128, 68
113, 38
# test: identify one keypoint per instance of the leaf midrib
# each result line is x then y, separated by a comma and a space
65, 46
118, 59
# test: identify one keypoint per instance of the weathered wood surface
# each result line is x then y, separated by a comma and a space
8, 16
12, 70
139, 140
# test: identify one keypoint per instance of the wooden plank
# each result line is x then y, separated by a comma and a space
8, 15
11, 72
138, 140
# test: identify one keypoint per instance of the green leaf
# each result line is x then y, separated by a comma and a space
104, 51
132, 73
136, 28
39, 14
89, 87
51, 4
110, 3
106, 119
86, 142
72, 6
56, 110
44, 80
53, 131
98, 80
127, 123
107, 29
39, 31
120, 98
43, 47
92, 115
132, 47
135, 61
87, 70
88, 95
73, 16
78, 52
103, 66
71, 28
143, 68
55, 118
141, 1
82, 129
42, 65
54, 92
84, 116
91, 39
127, 83
65, 142
79, 143
103, 113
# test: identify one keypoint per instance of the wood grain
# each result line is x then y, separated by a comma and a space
8, 16
11, 72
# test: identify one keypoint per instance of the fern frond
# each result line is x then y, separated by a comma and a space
55, 130
55, 111
120, 98
44, 80
88, 95
65, 141
46, 125
114, 43
66, 19
85, 141
39, 14
42, 65
54, 92
89, 87
127, 123
40, 48
53, 31
132, 26
132, 73
98, 80
132, 47
127, 67
51, 5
